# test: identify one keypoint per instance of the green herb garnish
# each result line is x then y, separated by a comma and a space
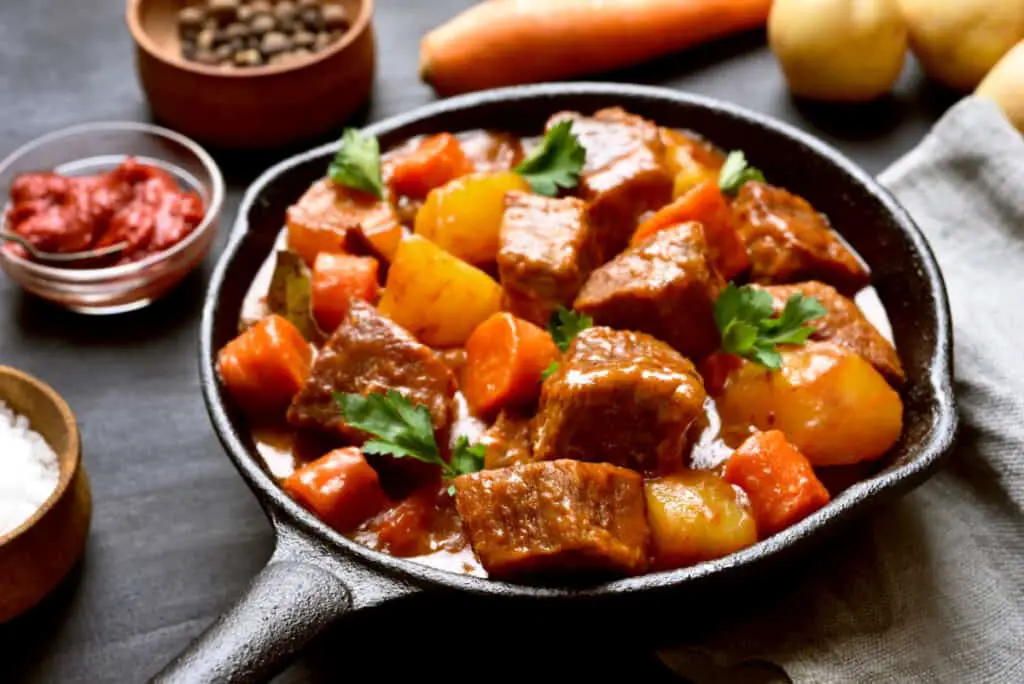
401, 429
565, 324
746, 321
735, 172
556, 163
357, 164
549, 371
290, 294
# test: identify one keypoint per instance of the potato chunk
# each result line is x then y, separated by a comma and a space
828, 401
696, 516
437, 297
464, 215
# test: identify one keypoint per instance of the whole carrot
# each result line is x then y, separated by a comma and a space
507, 42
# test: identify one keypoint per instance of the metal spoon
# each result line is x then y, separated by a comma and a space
65, 259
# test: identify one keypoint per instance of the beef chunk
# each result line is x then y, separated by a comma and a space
626, 172
845, 324
788, 241
508, 441
665, 287
545, 253
621, 397
491, 150
368, 353
556, 516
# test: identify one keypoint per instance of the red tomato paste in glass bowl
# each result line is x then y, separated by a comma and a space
102, 184
139, 205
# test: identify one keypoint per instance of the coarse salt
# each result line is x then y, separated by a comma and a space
29, 470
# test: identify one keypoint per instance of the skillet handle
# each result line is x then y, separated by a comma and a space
287, 604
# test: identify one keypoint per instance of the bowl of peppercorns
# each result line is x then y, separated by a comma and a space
253, 73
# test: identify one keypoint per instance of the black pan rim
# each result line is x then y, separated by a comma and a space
285, 512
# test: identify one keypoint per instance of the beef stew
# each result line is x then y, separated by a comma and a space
582, 446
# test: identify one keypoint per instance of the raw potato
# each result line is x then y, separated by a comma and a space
959, 41
436, 296
696, 516
841, 50
829, 402
1005, 85
464, 215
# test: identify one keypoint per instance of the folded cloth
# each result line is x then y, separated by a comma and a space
930, 589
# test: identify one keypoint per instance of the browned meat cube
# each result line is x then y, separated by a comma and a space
788, 241
368, 353
845, 324
621, 397
626, 172
545, 253
665, 287
508, 441
555, 517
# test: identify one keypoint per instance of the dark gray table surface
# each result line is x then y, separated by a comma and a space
175, 533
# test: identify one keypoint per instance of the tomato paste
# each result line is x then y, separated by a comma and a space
138, 204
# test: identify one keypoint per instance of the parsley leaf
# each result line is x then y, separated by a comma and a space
745, 318
357, 164
565, 324
556, 163
735, 172
402, 429
549, 371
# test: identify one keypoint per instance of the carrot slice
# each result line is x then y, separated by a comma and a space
435, 161
337, 279
324, 216
340, 488
706, 204
265, 366
778, 479
505, 357
505, 42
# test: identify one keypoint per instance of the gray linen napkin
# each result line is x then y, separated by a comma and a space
931, 589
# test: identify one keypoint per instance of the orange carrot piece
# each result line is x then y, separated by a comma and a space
505, 357
323, 216
337, 279
778, 480
340, 488
435, 161
506, 42
706, 205
265, 366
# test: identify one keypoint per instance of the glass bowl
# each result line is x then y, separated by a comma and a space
96, 148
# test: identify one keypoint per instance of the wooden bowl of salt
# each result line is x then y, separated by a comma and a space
45, 502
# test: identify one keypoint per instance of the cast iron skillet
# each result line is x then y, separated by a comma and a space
316, 576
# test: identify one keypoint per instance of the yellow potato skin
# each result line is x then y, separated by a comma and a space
695, 516
828, 401
437, 297
464, 215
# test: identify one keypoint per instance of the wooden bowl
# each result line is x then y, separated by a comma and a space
253, 107
36, 556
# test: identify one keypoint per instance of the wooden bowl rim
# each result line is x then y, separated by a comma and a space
142, 39
73, 453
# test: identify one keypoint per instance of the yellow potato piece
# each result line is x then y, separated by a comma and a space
840, 50
828, 401
464, 215
1005, 85
436, 296
696, 516
958, 41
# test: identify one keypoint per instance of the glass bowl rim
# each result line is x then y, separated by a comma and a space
89, 275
